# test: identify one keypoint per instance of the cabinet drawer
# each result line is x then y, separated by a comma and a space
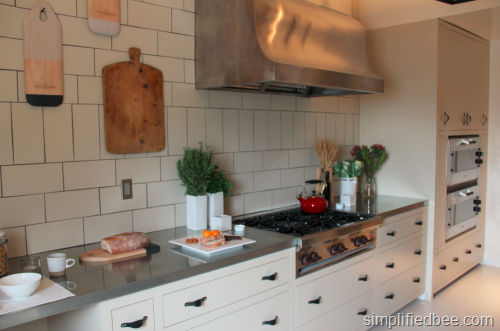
399, 259
346, 317
474, 244
223, 291
252, 318
135, 312
399, 289
400, 229
445, 264
334, 289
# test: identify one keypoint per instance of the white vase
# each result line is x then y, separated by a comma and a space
196, 212
348, 186
215, 204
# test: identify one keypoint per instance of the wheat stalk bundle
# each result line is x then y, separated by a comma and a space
326, 151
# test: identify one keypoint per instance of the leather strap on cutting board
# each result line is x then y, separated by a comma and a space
104, 16
134, 116
43, 56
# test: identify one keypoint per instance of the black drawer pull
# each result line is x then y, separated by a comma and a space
196, 303
272, 277
390, 296
419, 252
443, 267
479, 245
390, 265
363, 279
392, 234
315, 302
419, 223
136, 324
416, 280
468, 251
363, 312
271, 322
455, 259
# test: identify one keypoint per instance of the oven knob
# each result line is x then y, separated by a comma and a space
477, 202
306, 260
315, 257
341, 248
357, 242
364, 240
479, 161
479, 154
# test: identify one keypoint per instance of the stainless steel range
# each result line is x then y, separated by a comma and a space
323, 239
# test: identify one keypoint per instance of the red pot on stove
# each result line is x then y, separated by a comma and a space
314, 204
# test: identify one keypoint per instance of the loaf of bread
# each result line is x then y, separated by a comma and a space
125, 242
215, 243
203, 240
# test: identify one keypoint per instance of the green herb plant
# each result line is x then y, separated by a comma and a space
348, 168
195, 169
219, 183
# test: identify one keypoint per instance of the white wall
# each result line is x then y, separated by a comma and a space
344, 6
492, 246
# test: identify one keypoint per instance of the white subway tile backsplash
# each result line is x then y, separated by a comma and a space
86, 132
70, 89
72, 204
356, 130
185, 95
78, 60
320, 126
90, 90
315, 158
58, 133
165, 193
6, 155
145, 15
214, 130
32, 179
299, 126
283, 102
112, 202
89, 174
349, 129
167, 3
256, 101
286, 130
300, 158
245, 120
98, 227
233, 205
196, 127
225, 162
182, 22
23, 210
27, 124
8, 2
64, 7
54, 235
308, 104
189, 71
167, 94
172, 69
144, 39
154, 219
104, 58
248, 162
180, 215
347, 105
260, 130
230, 130
274, 125
177, 130
257, 202
17, 241
105, 155
266, 180
331, 127
76, 32
275, 160
329, 104
14, 58
242, 183
292, 177
140, 170
310, 130
176, 45
340, 129
169, 167
284, 197
12, 18
223, 99
8, 85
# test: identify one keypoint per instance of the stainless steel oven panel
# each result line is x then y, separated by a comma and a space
462, 160
462, 144
461, 215
463, 195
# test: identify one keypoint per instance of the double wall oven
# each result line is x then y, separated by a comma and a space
464, 162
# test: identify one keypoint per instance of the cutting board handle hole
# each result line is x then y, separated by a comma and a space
43, 15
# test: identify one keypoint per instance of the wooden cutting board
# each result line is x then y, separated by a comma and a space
134, 117
43, 56
100, 255
104, 16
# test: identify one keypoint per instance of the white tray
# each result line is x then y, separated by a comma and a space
202, 249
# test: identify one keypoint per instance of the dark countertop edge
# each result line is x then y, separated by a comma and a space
72, 303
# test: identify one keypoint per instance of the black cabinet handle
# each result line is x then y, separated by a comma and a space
136, 324
479, 245
418, 252
485, 119
315, 302
468, 251
363, 279
455, 259
416, 280
390, 296
448, 118
271, 322
390, 265
443, 267
464, 119
272, 277
392, 234
419, 223
469, 119
196, 303
363, 312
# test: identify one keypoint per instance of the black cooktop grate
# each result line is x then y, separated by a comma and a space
298, 223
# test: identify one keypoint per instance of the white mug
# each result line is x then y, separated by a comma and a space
58, 263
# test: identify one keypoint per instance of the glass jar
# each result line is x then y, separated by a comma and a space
370, 187
4, 262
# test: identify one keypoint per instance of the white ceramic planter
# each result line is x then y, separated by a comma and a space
196, 212
215, 205
348, 186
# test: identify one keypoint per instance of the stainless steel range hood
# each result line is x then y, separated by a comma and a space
282, 47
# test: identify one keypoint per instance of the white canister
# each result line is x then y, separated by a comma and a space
196, 212
348, 186
221, 223
215, 205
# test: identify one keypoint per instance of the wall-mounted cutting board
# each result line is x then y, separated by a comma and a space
134, 117
43, 56
104, 16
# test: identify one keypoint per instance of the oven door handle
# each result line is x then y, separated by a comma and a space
466, 194
466, 142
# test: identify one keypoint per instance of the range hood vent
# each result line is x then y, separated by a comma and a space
289, 47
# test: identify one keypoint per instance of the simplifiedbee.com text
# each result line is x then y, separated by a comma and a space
410, 319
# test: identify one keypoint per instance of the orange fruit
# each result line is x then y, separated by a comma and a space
207, 233
215, 232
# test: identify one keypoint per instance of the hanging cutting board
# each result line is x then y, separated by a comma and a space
104, 16
43, 56
134, 117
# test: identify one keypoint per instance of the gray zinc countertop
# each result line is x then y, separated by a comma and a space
95, 283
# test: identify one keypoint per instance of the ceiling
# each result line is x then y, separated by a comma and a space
484, 23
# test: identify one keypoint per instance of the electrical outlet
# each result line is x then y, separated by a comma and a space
127, 189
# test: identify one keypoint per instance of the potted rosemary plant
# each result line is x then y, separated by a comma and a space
372, 157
